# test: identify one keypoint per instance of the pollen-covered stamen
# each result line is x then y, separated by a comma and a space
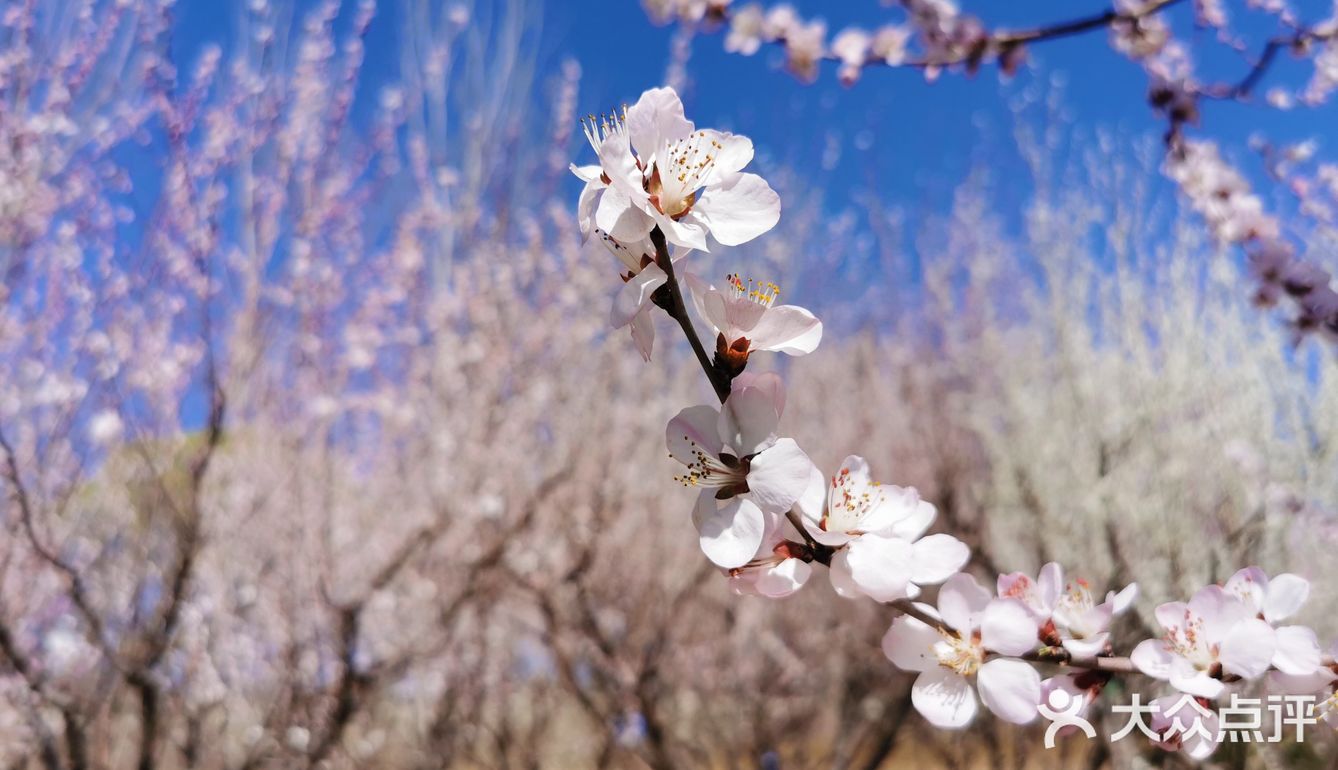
725, 473
849, 501
763, 293
1022, 589
1076, 599
682, 168
957, 654
1187, 641
601, 128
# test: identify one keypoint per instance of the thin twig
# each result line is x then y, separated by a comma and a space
997, 44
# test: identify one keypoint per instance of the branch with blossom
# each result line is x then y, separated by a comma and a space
768, 518
936, 36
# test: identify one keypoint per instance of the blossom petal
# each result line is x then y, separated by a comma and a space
1188, 679
936, 558
617, 216
944, 698
1297, 650
1006, 627
1049, 585
842, 581
1284, 597
912, 521
778, 476
643, 334
788, 329
589, 173
731, 535
738, 210
961, 600
1016, 585
1279, 683
688, 231
1171, 614
1011, 689
895, 505
585, 207
812, 504
880, 566
1089, 622
708, 301
1088, 647
1218, 610
814, 498
1152, 658
783, 579
1119, 602
733, 153
1248, 649
767, 381
909, 643
656, 120
635, 295
1250, 584
620, 166
750, 415
693, 429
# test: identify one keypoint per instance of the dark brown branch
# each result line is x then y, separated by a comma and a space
679, 312
995, 45
1246, 85
1079, 26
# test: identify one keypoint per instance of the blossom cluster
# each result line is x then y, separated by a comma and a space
934, 34
769, 517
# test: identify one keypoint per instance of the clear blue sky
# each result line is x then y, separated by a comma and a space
925, 136
923, 133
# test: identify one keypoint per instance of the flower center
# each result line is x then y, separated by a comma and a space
763, 293
1187, 641
849, 502
681, 169
601, 128
1073, 608
726, 473
1077, 597
1023, 590
957, 654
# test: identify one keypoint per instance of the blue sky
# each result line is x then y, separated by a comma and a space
910, 141
923, 135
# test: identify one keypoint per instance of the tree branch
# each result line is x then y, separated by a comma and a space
679, 312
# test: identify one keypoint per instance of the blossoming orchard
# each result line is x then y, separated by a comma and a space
769, 518
682, 384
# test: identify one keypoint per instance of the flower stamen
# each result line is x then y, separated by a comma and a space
598, 130
706, 471
681, 170
957, 654
763, 293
